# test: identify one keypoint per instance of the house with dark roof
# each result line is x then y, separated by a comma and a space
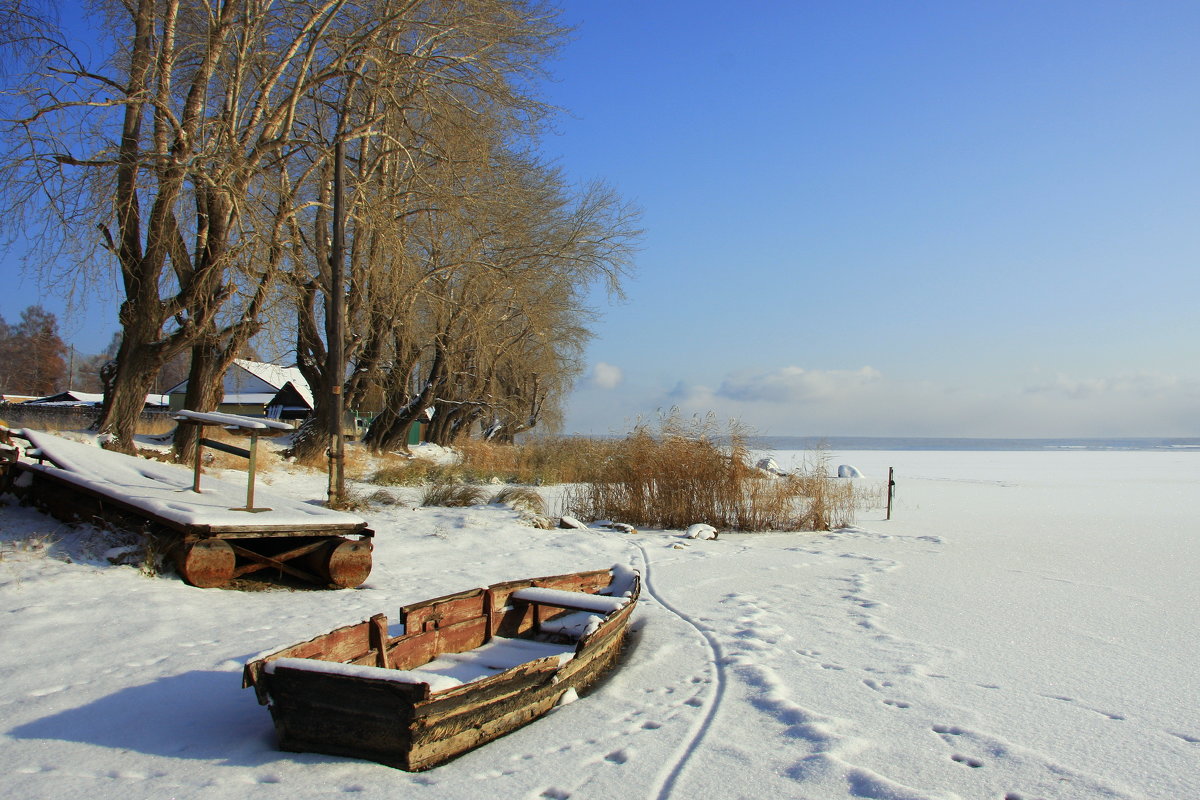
293, 401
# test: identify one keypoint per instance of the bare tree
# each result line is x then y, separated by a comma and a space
164, 151
202, 154
427, 107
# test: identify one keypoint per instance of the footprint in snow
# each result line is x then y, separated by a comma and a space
617, 757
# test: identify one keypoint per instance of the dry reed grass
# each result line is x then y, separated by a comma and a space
534, 462
521, 498
527, 502
404, 472
541, 460
452, 495
686, 472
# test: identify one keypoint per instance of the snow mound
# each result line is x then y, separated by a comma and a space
847, 471
768, 465
701, 531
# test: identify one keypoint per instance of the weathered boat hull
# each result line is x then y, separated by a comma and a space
407, 725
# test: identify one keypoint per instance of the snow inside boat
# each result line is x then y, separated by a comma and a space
468, 668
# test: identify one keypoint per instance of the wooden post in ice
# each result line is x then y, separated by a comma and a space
891, 490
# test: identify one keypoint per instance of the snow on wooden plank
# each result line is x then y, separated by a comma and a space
218, 418
165, 491
563, 599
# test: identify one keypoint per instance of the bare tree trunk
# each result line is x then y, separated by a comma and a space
126, 387
389, 429
205, 390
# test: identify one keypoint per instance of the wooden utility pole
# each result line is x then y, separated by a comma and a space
336, 354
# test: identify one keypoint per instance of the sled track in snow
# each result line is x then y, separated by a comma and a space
670, 774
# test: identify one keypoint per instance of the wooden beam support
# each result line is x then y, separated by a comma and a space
261, 562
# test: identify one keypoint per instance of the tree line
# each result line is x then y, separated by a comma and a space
35, 361
198, 161
33, 358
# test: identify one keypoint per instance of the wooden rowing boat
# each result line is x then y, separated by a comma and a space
468, 668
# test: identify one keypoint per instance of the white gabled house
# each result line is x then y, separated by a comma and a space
250, 388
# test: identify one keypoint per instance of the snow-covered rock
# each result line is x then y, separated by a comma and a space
623, 527
847, 471
701, 531
768, 465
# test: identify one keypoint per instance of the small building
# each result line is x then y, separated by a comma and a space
291, 402
249, 387
70, 399
75, 399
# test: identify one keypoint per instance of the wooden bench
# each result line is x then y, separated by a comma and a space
542, 599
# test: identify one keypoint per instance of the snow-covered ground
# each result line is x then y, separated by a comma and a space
1024, 627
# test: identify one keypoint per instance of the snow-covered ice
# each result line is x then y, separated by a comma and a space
1024, 627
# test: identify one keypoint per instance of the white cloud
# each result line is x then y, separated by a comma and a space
866, 402
1143, 384
797, 385
606, 376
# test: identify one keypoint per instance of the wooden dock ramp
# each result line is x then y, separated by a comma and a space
213, 537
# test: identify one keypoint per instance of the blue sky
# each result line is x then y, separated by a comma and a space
871, 218
885, 218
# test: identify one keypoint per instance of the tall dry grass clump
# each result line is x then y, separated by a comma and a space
544, 460
683, 472
537, 460
828, 503
452, 495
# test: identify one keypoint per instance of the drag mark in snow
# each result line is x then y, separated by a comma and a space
1109, 714
670, 774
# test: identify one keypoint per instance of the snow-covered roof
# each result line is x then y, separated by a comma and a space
273, 374
255, 382
70, 398
302, 389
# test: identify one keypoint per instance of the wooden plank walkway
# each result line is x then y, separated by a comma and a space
213, 538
